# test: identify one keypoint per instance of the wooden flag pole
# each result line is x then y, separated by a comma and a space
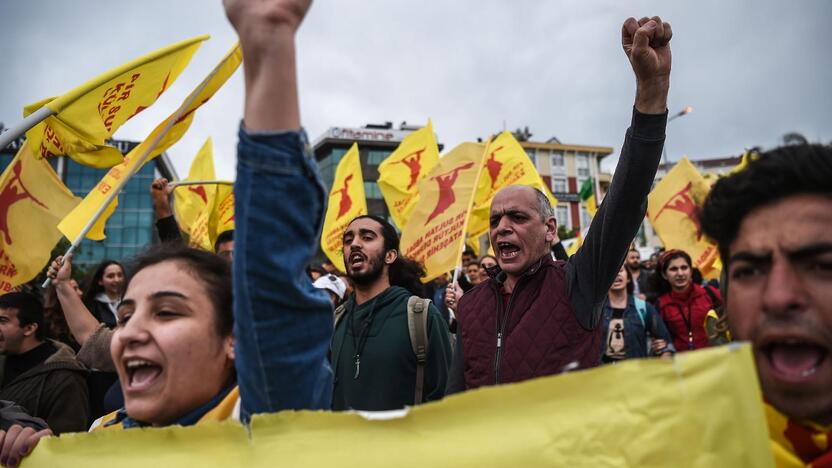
181, 183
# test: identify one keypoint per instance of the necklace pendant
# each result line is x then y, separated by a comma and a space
357, 367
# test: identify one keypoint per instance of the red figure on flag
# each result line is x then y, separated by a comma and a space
683, 203
199, 190
346, 201
494, 167
446, 189
11, 194
412, 161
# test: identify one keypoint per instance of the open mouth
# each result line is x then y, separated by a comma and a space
795, 359
356, 260
507, 250
141, 373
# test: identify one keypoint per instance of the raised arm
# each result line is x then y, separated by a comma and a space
81, 322
283, 325
592, 269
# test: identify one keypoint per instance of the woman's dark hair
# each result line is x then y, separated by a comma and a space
54, 319
659, 283
404, 272
213, 271
769, 176
91, 288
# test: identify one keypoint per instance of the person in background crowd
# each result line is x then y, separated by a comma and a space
440, 285
102, 291
683, 304
39, 374
166, 224
375, 366
468, 256
329, 267
334, 287
650, 264
473, 273
772, 223
554, 308
224, 245
487, 262
642, 281
633, 327
315, 272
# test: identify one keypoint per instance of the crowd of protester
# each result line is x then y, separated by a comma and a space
263, 330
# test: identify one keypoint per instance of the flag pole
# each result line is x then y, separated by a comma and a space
200, 182
36, 117
142, 159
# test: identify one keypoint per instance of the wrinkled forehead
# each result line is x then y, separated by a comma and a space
363, 225
514, 198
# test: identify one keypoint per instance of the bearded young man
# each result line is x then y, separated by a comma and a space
773, 224
372, 355
540, 317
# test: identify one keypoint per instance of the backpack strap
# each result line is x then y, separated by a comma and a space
716, 304
417, 326
339, 314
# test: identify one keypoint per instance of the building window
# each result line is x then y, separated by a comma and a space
559, 185
375, 157
582, 162
585, 217
562, 216
371, 190
533, 156
557, 160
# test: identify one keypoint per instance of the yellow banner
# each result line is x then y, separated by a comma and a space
673, 210
73, 224
216, 218
506, 164
191, 200
88, 115
401, 172
436, 231
32, 201
703, 409
346, 202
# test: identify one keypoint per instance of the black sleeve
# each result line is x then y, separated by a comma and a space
11, 414
591, 271
168, 229
456, 376
559, 251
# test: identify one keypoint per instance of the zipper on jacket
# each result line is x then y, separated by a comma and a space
501, 327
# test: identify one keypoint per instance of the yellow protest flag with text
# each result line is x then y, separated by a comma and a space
191, 200
608, 416
85, 117
506, 164
32, 201
346, 202
435, 234
401, 172
673, 210
216, 218
164, 135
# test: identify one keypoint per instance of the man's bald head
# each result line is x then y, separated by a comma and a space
522, 227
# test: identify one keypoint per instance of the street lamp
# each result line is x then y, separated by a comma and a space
687, 110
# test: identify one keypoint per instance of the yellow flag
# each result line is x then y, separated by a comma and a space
673, 210
32, 201
346, 202
401, 172
436, 230
191, 200
74, 223
506, 164
708, 402
88, 115
216, 218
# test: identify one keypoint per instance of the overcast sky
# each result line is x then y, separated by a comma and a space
752, 70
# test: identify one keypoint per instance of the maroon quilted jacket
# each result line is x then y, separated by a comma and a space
537, 334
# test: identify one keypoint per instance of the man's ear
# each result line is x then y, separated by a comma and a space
228, 345
30, 329
551, 230
391, 256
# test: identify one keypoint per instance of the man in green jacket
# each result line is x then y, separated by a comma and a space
372, 352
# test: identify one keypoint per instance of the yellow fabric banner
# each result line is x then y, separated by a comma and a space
506, 164
436, 231
216, 218
673, 210
401, 172
703, 409
32, 201
190, 200
346, 202
88, 115
74, 223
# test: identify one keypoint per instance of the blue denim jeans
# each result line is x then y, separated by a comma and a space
282, 324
